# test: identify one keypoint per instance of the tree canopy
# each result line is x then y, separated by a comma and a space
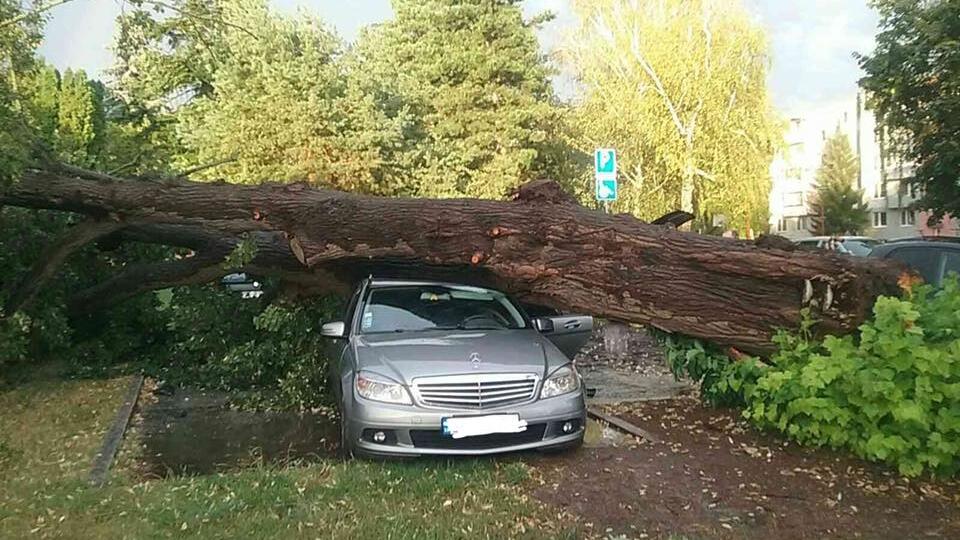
837, 206
679, 88
468, 82
913, 80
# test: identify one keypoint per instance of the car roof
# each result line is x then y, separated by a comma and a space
841, 238
931, 239
884, 249
398, 282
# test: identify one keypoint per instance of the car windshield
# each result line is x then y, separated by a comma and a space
860, 247
435, 307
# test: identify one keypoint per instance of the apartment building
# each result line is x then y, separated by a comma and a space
885, 185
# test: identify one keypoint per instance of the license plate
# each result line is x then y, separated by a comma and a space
459, 427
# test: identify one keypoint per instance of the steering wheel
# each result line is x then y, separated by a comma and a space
484, 317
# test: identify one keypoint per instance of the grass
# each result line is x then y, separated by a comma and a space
50, 430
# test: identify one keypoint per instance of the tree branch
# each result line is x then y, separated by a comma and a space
52, 258
140, 278
27, 14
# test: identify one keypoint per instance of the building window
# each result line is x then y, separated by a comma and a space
781, 225
879, 219
880, 189
908, 218
793, 199
794, 173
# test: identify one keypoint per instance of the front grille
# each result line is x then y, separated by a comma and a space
480, 391
434, 438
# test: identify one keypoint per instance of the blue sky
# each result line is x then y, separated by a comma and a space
812, 40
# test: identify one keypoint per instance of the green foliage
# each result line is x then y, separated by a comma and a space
269, 356
837, 207
242, 254
80, 118
913, 79
41, 329
722, 382
17, 43
893, 395
679, 88
468, 85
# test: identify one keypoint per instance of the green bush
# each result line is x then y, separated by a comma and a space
722, 382
891, 394
264, 356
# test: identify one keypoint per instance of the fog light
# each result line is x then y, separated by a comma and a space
379, 437
567, 427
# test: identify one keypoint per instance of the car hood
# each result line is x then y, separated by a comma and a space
406, 356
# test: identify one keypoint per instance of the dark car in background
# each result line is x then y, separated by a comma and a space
858, 246
932, 259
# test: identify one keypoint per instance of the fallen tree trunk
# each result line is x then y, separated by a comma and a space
541, 246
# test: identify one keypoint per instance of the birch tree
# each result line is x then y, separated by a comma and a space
679, 88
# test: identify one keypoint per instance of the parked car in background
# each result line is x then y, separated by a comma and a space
932, 259
858, 246
422, 367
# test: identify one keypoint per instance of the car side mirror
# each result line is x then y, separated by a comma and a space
543, 324
332, 329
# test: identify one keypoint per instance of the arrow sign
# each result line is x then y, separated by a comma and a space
605, 171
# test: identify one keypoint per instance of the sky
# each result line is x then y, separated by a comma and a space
813, 70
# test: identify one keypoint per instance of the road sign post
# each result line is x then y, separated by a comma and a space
605, 173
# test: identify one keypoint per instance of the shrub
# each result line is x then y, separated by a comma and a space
891, 394
722, 382
264, 356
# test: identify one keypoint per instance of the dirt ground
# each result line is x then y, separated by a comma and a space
711, 476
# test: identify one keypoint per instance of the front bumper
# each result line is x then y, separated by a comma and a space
415, 430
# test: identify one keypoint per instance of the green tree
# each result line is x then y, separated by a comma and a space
678, 87
466, 81
18, 40
80, 119
264, 92
913, 81
837, 207
42, 92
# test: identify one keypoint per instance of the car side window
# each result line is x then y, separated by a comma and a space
925, 261
951, 263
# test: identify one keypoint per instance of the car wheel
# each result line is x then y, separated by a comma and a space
347, 449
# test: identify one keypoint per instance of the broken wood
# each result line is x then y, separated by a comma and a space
623, 425
541, 246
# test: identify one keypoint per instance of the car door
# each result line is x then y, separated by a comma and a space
570, 333
924, 260
949, 262
335, 348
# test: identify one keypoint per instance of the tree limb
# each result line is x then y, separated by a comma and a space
542, 247
52, 258
27, 14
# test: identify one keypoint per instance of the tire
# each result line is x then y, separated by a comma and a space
347, 449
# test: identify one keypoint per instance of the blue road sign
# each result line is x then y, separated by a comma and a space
605, 170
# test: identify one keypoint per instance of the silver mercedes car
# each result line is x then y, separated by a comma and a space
422, 367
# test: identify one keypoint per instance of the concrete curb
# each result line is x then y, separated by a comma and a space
111, 441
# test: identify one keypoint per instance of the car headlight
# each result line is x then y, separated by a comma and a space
561, 381
379, 388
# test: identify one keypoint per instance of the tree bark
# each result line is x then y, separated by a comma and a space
540, 246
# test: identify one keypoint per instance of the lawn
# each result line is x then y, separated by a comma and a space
50, 430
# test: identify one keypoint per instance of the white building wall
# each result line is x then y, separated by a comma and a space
794, 174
